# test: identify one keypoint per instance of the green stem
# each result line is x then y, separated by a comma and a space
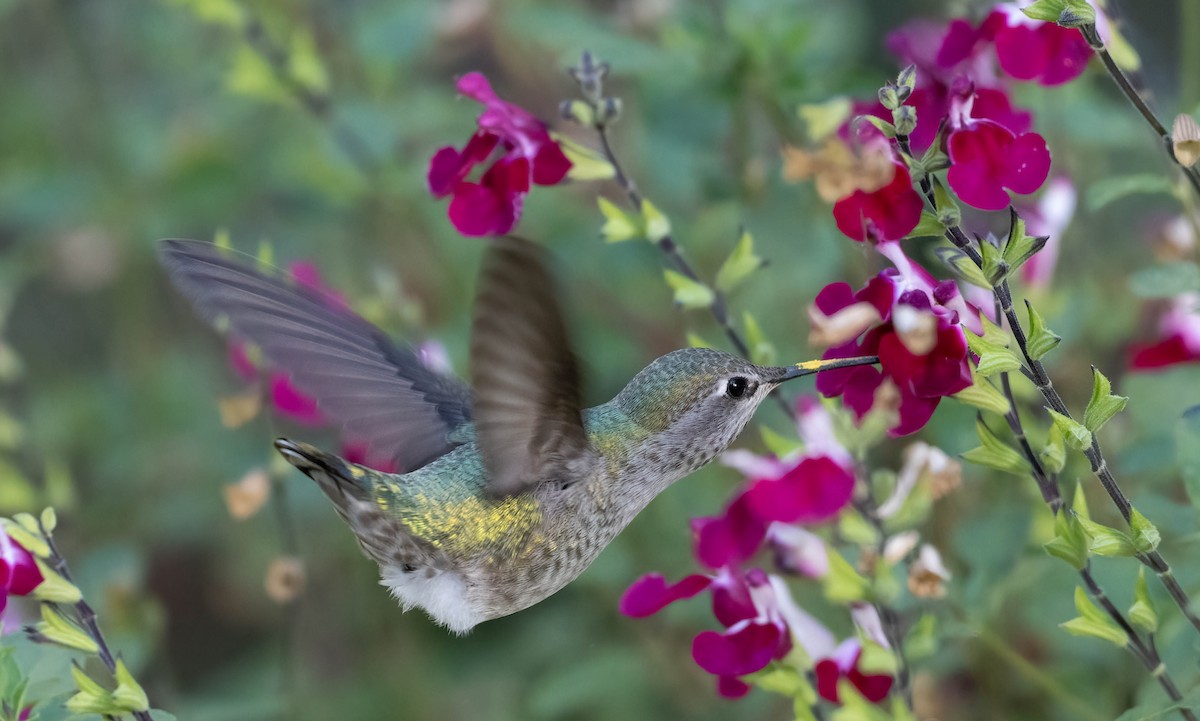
1143, 651
1135, 98
671, 250
1038, 677
87, 616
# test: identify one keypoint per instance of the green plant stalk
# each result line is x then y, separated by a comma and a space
888, 616
318, 105
1143, 651
667, 244
1036, 372
87, 616
1135, 98
1038, 677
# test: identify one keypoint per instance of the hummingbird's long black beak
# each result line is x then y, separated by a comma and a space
807, 368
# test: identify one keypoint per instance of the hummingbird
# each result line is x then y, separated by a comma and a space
508, 488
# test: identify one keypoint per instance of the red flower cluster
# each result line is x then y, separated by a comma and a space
990, 145
525, 155
915, 330
761, 620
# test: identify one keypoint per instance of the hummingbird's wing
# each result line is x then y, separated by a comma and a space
380, 393
528, 422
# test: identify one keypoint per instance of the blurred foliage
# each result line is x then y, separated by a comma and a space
126, 122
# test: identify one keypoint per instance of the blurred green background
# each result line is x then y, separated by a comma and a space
123, 122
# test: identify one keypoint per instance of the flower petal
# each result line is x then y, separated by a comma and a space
737, 653
814, 491
650, 593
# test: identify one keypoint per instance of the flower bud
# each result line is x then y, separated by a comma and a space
904, 118
1185, 140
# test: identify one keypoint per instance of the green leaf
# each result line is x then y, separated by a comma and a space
995, 453
1166, 280
1070, 541
929, 226
1103, 404
658, 226
618, 225
1042, 340
1074, 433
305, 65
762, 351
1093, 622
1019, 247
1143, 613
993, 350
1145, 535
586, 164
740, 264
695, 341
1079, 503
1106, 541
961, 265
921, 641
1187, 452
1068, 13
1162, 708
56, 628
49, 519
984, 396
995, 268
128, 694
689, 293
1054, 453
842, 584
1105, 191
252, 76
947, 210
883, 126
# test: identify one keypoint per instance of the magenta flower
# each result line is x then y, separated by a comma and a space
986, 158
843, 664
920, 341
294, 403
1179, 337
19, 573
1034, 50
889, 213
745, 603
527, 155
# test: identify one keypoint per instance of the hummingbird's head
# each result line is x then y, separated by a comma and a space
699, 399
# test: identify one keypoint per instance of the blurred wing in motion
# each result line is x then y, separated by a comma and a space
380, 393
527, 390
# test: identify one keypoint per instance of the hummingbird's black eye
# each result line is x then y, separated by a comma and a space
736, 387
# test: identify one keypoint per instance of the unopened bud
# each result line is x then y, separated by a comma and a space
904, 118
889, 97
577, 111
1185, 140
610, 110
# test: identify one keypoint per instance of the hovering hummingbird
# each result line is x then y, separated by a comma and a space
509, 489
